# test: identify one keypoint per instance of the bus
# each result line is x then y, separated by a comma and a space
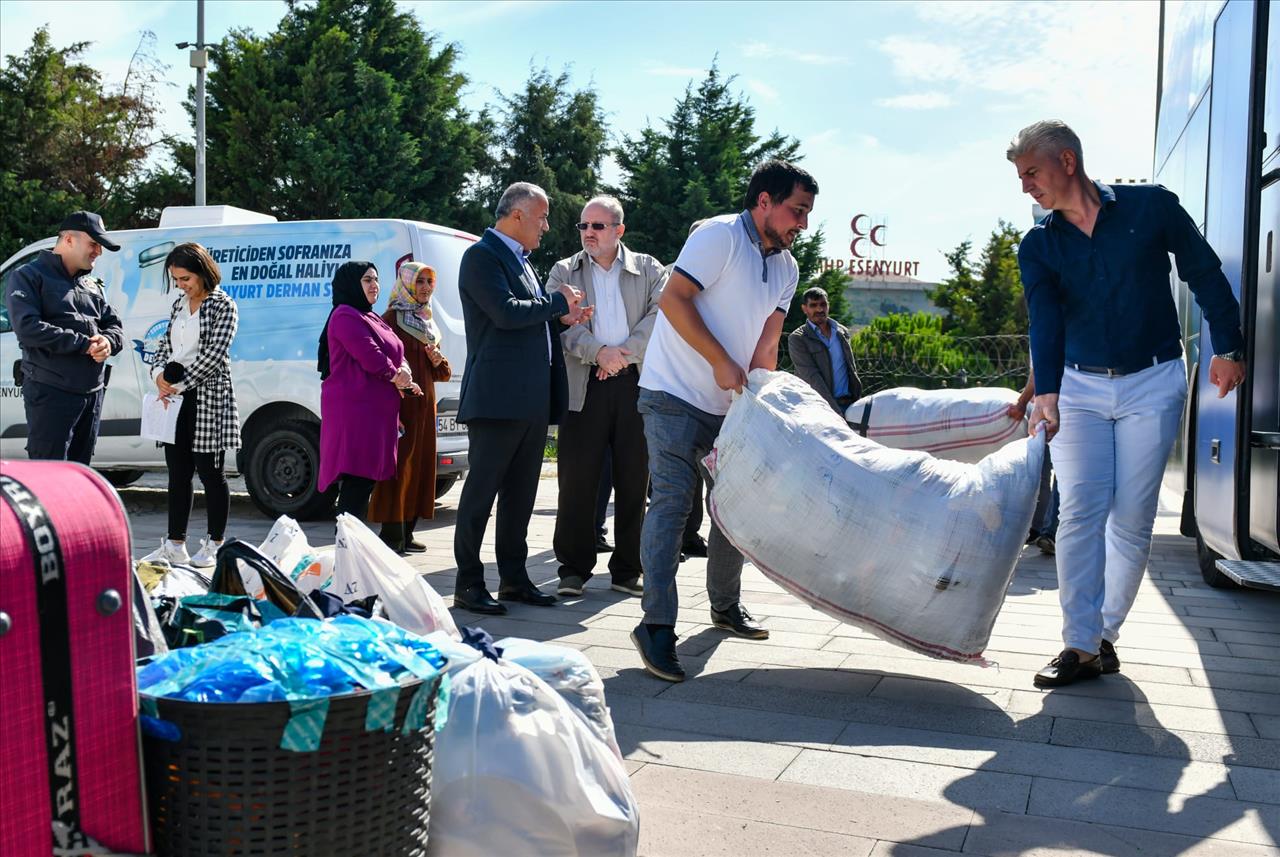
1217, 145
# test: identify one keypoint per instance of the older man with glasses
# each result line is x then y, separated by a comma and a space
602, 359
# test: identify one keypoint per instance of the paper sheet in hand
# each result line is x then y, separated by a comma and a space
158, 421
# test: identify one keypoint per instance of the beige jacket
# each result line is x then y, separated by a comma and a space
641, 284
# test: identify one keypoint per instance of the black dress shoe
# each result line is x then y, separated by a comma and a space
1110, 660
697, 546
602, 545
478, 600
412, 545
657, 647
737, 620
1067, 668
527, 594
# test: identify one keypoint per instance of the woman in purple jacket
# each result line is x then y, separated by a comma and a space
363, 376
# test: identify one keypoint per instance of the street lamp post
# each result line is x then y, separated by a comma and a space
199, 61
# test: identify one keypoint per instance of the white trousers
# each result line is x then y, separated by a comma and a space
1109, 457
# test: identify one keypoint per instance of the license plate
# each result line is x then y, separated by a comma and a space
448, 424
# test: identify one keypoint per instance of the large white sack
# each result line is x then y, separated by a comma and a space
962, 425
915, 549
363, 565
517, 772
569, 673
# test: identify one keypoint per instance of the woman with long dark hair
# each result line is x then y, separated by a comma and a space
193, 361
362, 377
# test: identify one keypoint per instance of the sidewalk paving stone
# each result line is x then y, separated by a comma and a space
825, 739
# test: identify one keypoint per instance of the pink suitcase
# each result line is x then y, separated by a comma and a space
70, 769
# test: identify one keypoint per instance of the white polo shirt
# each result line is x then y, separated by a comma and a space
741, 288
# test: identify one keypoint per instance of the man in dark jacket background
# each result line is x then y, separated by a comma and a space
66, 330
821, 353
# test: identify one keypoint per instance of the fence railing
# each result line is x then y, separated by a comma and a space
885, 360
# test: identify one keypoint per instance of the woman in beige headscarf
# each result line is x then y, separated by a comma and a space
398, 503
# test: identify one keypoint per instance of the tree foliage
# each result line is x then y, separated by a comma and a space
984, 299
348, 109
696, 165
67, 141
554, 137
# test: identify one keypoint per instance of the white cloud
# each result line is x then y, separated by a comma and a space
452, 16
760, 50
916, 101
922, 59
762, 89
674, 70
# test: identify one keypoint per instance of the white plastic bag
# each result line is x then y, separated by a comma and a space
286, 545
962, 425
569, 673
363, 565
517, 772
915, 549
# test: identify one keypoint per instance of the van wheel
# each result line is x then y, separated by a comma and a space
282, 467
444, 484
121, 478
1208, 559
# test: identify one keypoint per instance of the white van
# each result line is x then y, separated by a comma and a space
280, 276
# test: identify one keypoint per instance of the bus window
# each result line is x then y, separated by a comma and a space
1187, 67
1271, 112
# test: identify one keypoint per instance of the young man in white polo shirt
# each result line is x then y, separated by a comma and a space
720, 316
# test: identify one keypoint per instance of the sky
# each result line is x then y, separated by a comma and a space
903, 110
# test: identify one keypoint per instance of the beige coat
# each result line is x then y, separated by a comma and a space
641, 284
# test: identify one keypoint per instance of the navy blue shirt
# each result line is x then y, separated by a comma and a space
1105, 301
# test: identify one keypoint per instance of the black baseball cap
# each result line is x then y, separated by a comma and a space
88, 221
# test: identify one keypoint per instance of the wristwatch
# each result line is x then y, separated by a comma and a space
1234, 356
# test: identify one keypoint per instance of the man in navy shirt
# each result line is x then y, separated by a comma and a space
1109, 376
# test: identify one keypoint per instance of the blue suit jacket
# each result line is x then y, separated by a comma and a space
507, 374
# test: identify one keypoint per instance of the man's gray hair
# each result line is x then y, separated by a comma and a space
1050, 137
609, 204
517, 196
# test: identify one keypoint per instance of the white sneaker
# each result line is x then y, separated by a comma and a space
170, 552
207, 556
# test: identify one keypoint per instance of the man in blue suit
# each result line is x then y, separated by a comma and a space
513, 387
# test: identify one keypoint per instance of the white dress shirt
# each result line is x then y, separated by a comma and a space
609, 323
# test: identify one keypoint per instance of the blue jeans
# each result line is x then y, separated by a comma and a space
1044, 522
678, 436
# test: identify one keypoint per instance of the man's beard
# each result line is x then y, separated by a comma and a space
774, 237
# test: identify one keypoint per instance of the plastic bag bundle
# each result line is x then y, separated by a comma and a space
292, 659
286, 545
364, 565
164, 581
915, 549
518, 772
569, 673
962, 425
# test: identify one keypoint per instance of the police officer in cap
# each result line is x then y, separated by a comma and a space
66, 330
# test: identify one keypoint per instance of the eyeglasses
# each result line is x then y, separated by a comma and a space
596, 225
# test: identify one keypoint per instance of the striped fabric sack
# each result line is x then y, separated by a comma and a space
916, 550
962, 425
